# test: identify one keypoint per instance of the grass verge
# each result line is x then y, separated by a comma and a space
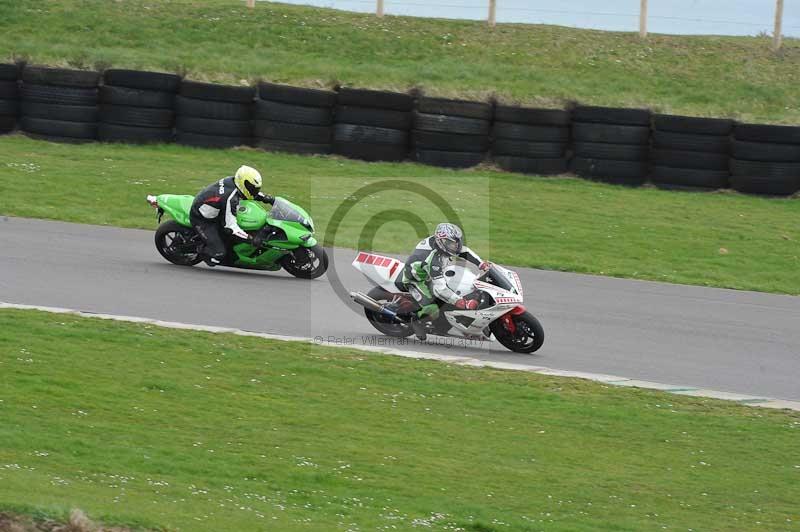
177, 429
222, 40
715, 239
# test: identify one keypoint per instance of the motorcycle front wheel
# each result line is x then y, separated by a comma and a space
306, 263
527, 337
178, 244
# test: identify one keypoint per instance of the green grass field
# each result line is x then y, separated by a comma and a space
221, 40
194, 431
716, 239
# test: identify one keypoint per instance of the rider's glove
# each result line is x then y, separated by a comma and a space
257, 241
485, 265
265, 198
466, 304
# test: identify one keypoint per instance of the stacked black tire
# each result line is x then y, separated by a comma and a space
209, 115
530, 141
372, 125
9, 97
59, 104
137, 107
293, 119
451, 133
766, 159
690, 152
611, 144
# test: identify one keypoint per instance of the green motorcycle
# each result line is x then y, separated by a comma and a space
287, 233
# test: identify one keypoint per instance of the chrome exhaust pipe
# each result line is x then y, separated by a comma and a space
369, 303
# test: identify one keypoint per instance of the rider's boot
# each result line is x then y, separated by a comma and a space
419, 329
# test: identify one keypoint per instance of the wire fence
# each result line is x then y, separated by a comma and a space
679, 17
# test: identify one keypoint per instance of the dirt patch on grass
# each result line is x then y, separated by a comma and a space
78, 522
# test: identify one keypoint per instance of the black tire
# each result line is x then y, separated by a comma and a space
9, 107
612, 134
429, 140
61, 77
693, 125
52, 111
133, 134
768, 186
136, 97
505, 130
618, 172
448, 159
689, 177
136, 116
288, 146
209, 126
369, 134
528, 337
461, 108
178, 244
211, 109
7, 123
762, 133
616, 152
531, 150
525, 165
59, 128
9, 90
395, 101
296, 95
371, 152
611, 115
58, 139
450, 124
306, 263
690, 159
210, 141
139, 79
292, 114
764, 169
216, 92
59, 95
762, 151
532, 117
689, 142
293, 132
380, 322
368, 116
9, 72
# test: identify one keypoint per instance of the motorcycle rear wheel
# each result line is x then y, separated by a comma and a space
528, 337
382, 323
178, 244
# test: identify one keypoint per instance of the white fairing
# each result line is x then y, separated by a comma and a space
384, 271
381, 270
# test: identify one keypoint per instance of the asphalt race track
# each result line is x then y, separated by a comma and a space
726, 340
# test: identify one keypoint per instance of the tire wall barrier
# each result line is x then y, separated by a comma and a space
622, 146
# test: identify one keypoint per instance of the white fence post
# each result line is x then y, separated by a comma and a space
492, 13
643, 20
379, 8
778, 37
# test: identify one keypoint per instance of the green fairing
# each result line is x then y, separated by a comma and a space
251, 217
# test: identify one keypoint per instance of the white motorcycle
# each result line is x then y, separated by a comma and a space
499, 313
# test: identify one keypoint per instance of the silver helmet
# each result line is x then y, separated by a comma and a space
449, 238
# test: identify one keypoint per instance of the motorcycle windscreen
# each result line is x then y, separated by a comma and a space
287, 212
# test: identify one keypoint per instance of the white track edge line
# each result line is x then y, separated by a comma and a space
743, 399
